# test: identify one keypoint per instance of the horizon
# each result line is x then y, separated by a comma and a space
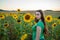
28, 10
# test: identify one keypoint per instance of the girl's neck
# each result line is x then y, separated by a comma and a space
40, 20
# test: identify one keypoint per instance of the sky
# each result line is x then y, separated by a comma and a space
30, 4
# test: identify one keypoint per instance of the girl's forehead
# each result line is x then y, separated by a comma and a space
37, 12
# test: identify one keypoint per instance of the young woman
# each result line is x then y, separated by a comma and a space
39, 29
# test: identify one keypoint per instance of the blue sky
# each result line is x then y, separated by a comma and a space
30, 4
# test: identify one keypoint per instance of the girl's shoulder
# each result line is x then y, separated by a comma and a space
41, 24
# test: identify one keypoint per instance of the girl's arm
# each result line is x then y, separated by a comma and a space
38, 29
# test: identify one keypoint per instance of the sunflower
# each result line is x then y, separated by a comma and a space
33, 17
48, 18
59, 22
7, 14
18, 21
53, 25
31, 23
34, 22
2, 16
15, 16
59, 17
24, 37
27, 17
11, 14
6, 25
18, 10
2, 13
55, 18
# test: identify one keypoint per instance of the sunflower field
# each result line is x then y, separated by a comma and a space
18, 26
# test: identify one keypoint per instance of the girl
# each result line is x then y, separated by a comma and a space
39, 29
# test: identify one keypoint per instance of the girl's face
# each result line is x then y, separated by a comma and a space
38, 15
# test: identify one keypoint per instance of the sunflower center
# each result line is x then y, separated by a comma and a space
54, 24
5, 25
14, 16
18, 20
48, 18
18, 10
27, 17
0, 16
59, 17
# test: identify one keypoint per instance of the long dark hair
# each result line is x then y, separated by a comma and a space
43, 20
